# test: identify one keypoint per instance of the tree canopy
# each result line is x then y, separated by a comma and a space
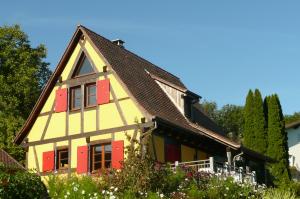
23, 74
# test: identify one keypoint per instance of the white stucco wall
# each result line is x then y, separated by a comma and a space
294, 146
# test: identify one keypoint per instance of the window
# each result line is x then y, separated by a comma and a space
83, 67
62, 159
90, 95
75, 99
100, 156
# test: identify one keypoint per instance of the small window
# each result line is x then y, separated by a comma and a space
75, 99
83, 67
100, 156
90, 95
62, 159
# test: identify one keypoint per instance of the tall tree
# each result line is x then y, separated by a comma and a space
248, 134
259, 124
277, 141
23, 74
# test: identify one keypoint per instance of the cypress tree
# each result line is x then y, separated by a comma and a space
277, 141
259, 124
248, 134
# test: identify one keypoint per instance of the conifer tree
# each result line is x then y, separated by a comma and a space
259, 124
248, 134
277, 141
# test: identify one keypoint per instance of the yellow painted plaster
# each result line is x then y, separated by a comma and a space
187, 153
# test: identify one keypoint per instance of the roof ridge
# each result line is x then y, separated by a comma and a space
137, 56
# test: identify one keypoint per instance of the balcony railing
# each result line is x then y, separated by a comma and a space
239, 174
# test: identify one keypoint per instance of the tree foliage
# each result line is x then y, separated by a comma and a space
229, 118
259, 124
248, 134
292, 118
254, 133
23, 74
277, 141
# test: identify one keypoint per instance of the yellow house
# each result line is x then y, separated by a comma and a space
99, 91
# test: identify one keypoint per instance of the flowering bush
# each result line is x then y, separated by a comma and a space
16, 183
141, 177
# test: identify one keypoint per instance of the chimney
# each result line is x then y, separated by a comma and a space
119, 42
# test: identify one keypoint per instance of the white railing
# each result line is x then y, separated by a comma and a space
219, 169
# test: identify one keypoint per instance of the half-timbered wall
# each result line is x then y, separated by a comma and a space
54, 129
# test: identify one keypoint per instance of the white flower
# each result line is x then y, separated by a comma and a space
68, 193
111, 193
95, 194
161, 195
227, 188
47, 191
103, 192
66, 196
112, 187
116, 189
225, 194
82, 192
112, 197
75, 189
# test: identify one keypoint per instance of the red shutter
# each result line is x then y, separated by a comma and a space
117, 155
103, 91
82, 159
61, 100
48, 161
172, 153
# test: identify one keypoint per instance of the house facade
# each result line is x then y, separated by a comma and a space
293, 132
99, 93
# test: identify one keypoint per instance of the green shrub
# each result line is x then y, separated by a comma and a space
75, 187
278, 194
16, 183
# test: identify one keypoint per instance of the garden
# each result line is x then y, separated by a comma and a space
140, 177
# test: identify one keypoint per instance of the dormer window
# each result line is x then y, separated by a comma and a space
84, 67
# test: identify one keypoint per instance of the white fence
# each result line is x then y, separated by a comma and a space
219, 169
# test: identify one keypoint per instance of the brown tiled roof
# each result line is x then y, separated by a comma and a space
135, 72
9, 161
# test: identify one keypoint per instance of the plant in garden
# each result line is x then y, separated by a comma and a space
16, 183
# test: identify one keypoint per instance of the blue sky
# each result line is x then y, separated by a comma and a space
219, 49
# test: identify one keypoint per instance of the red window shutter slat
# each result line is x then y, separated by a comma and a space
82, 159
103, 91
61, 100
48, 161
117, 155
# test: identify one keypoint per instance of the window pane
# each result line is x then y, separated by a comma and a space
98, 148
92, 89
91, 95
91, 100
107, 147
98, 157
63, 163
77, 98
85, 68
97, 165
107, 164
63, 154
107, 156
